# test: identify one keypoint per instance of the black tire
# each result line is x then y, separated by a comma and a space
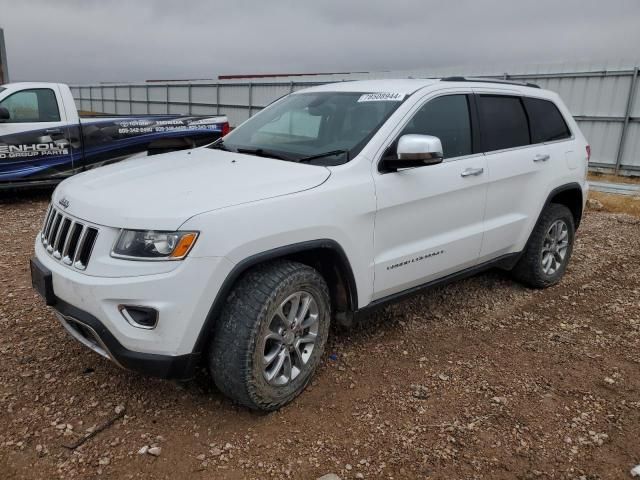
236, 352
529, 269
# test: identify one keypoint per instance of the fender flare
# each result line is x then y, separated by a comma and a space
241, 267
560, 189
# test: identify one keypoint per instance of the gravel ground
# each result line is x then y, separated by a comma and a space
480, 379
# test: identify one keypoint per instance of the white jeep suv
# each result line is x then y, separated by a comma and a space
331, 202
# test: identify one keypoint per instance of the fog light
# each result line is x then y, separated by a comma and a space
139, 317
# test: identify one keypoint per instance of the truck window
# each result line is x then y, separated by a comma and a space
448, 119
503, 122
31, 106
547, 123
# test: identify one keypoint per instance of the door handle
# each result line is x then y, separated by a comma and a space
53, 131
541, 158
472, 172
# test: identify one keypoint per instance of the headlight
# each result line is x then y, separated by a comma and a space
153, 245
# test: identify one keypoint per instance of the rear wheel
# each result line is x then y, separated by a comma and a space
271, 334
548, 250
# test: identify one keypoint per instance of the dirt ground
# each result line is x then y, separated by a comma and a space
479, 379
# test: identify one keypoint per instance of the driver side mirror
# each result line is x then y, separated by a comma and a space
4, 114
415, 151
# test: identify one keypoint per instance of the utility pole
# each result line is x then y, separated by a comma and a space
4, 67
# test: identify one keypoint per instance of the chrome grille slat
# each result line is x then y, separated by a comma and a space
83, 236
46, 221
52, 216
61, 238
53, 232
67, 239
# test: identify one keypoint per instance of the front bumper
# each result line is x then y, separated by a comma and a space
87, 306
89, 331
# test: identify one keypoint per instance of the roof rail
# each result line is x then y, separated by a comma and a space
488, 80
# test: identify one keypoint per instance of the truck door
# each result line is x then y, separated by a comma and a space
34, 139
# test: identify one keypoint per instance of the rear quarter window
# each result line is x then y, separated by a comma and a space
547, 123
503, 122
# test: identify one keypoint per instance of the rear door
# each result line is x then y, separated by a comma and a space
34, 141
429, 220
518, 172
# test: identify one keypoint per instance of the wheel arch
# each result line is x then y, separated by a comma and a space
569, 195
325, 255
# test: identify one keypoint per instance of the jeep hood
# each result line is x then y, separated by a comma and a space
162, 191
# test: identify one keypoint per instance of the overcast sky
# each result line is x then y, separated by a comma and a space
117, 40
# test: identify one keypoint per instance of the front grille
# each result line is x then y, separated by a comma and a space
67, 239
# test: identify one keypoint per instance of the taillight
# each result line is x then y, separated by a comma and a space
588, 152
225, 129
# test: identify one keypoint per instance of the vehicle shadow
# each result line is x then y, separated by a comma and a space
17, 196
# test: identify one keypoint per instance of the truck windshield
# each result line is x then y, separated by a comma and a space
323, 128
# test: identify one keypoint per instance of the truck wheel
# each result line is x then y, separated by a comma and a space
548, 250
271, 334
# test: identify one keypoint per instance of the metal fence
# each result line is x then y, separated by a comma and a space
603, 102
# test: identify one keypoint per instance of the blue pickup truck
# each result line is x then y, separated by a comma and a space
44, 140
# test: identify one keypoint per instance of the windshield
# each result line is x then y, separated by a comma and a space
331, 127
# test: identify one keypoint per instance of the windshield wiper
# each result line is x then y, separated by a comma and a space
260, 152
219, 145
325, 154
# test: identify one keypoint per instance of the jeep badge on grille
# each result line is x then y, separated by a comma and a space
64, 202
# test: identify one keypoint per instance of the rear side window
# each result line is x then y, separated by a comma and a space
503, 122
448, 119
547, 123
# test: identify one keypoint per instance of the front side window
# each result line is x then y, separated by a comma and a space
306, 125
547, 123
35, 105
448, 119
503, 122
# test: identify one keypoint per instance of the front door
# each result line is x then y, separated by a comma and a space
429, 220
34, 141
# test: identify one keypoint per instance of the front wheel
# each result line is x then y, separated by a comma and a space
271, 334
548, 250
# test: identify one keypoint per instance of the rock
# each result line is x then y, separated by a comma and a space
420, 392
228, 446
119, 409
348, 466
201, 457
104, 461
635, 471
609, 380
443, 377
359, 475
329, 476
499, 400
594, 204
155, 451
143, 450
216, 452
